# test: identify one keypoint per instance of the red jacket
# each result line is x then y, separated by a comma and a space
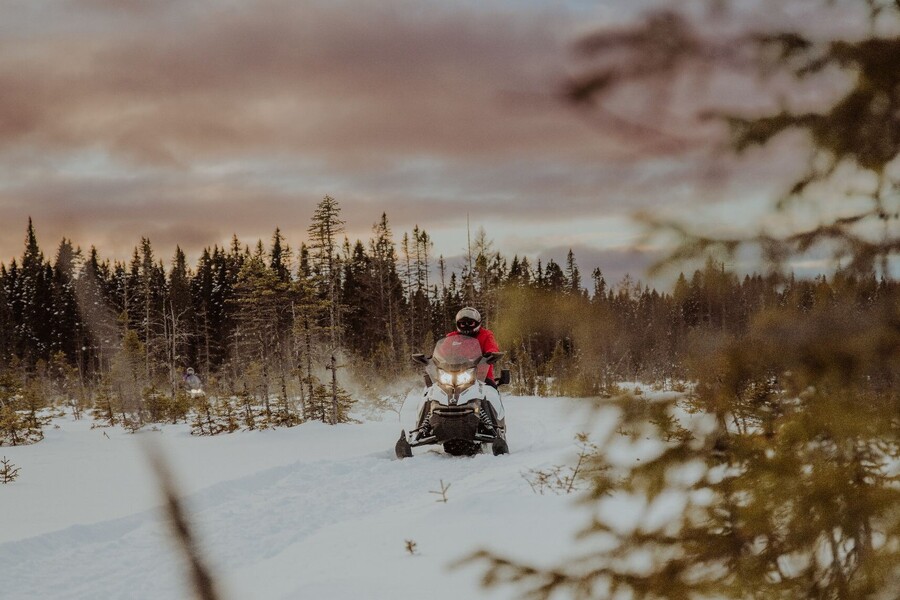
485, 337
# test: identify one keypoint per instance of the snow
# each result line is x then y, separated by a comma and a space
314, 511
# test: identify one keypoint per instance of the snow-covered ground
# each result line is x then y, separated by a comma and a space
309, 512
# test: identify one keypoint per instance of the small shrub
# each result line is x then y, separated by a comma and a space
8, 471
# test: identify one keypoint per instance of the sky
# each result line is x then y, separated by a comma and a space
189, 121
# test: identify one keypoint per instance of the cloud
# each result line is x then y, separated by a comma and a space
188, 121
354, 82
256, 107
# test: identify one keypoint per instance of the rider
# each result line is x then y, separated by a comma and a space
468, 322
191, 381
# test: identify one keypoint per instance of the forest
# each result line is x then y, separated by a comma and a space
280, 336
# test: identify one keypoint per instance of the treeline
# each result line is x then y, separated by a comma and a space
280, 334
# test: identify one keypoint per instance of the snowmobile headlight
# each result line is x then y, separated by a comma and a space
466, 377
445, 378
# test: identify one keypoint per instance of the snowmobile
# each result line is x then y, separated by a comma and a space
193, 384
458, 409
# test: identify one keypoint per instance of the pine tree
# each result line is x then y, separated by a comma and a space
178, 319
227, 416
323, 232
308, 310
8, 471
95, 306
416, 252
488, 273
279, 257
20, 405
573, 276
107, 405
357, 293
204, 421
212, 290
127, 380
10, 423
151, 288
554, 278
388, 285
66, 330
7, 325
262, 301
202, 288
600, 286
32, 302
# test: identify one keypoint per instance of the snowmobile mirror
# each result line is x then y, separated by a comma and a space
420, 358
492, 357
504, 377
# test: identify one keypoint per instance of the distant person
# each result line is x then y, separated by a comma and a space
191, 381
468, 323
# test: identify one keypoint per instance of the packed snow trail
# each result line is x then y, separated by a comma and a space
331, 523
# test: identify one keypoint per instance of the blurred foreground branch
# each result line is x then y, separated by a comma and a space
780, 469
201, 580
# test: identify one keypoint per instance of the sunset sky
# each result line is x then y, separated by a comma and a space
187, 121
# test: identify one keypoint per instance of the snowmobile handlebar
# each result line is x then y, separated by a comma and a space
488, 357
492, 357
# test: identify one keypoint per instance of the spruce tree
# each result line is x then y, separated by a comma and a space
323, 231
202, 298
573, 275
66, 331
7, 325
261, 299
179, 326
357, 294
387, 284
127, 380
33, 302
95, 306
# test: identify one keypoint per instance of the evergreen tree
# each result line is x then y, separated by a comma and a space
94, 290
178, 320
554, 279
263, 305
357, 293
66, 335
32, 302
388, 287
7, 324
416, 252
202, 289
573, 276
280, 257
107, 405
600, 286
323, 231
19, 403
308, 310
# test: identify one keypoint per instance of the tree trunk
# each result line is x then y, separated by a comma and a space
334, 399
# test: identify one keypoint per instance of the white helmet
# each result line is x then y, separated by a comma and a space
468, 321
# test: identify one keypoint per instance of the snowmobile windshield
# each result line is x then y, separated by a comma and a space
457, 352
